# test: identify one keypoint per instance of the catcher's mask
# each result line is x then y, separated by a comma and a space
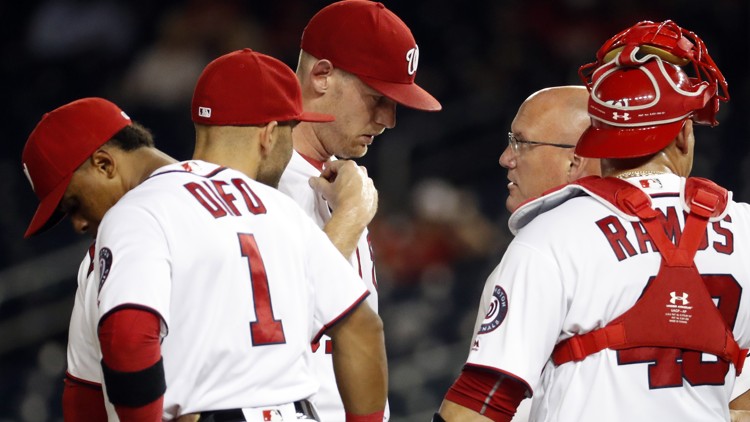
640, 94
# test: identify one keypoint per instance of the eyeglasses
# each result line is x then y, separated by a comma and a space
516, 144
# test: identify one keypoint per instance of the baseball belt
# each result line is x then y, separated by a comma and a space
299, 410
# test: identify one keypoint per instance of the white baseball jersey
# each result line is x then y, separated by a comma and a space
741, 385
295, 183
576, 267
84, 353
242, 280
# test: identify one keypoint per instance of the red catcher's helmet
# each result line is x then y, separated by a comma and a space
640, 96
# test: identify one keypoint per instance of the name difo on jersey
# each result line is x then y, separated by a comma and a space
216, 200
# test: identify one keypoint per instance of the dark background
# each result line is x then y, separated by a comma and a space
441, 226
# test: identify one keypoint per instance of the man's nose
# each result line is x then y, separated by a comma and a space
80, 224
507, 158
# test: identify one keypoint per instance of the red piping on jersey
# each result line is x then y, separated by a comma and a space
359, 263
315, 163
646, 324
135, 306
348, 310
213, 173
83, 382
92, 250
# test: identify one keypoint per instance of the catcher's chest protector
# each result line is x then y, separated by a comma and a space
675, 310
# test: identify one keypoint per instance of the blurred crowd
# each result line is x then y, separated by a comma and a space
441, 226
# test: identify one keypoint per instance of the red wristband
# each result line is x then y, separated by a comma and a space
372, 417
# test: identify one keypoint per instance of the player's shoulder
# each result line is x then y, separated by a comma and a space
567, 217
157, 194
298, 170
740, 208
739, 214
560, 210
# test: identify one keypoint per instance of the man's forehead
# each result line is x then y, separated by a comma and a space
363, 87
533, 127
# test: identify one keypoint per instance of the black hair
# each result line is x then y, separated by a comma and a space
132, 137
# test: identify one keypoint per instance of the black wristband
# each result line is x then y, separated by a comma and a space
135, 389
437, 418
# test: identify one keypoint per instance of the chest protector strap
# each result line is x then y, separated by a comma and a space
675, 310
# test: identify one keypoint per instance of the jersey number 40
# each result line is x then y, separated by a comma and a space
668, 367
266, 329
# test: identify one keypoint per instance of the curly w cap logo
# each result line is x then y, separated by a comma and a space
105, 264
412, 57
497, 311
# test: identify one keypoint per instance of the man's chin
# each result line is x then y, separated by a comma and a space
511, 204
358, 152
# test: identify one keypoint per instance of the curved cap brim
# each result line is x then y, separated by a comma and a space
409, 95
309, 116
46, 214
604, 141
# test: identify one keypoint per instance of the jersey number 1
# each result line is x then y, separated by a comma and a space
266, 329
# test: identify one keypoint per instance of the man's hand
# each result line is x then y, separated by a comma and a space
346, 186
739, 415
353, 199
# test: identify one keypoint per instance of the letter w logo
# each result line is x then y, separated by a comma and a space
683, 299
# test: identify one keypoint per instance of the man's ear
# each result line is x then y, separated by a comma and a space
582, 167
268, 137
686, 137
320, 75
104, 162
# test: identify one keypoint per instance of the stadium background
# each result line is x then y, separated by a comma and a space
441, 226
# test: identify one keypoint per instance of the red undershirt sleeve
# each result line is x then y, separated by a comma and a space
130, 341
83, 402
491, 394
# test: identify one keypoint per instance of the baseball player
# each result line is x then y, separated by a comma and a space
83, 397
276, 327
540, 156
59, 188
633, 307
357, 61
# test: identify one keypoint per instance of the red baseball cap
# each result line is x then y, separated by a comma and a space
62, 140
364, 38
245, 88
638, 110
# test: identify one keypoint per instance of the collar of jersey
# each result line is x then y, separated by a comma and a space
662, 184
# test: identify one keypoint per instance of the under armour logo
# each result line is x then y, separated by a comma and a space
412, 56
624, 116
28, 176
204, 112
683, 299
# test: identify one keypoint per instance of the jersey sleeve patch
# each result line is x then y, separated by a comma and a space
497, 311
105, 264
